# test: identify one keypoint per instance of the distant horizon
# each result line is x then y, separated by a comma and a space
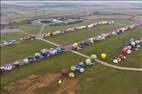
14, 1
70, 0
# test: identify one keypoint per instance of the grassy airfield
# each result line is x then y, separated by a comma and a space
98, 79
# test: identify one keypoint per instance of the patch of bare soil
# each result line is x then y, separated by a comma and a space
69, 86
30, 84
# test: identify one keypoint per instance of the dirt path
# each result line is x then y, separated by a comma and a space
41, 29
68, 87
97, 60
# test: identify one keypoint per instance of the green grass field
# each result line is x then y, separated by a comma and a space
76, 36
124, 22
19, 51
13, 35
103, 80
34, 28
46, 65
112, 47
50, 28
97, 79
30, 28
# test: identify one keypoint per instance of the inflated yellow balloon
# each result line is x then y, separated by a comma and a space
48, 34
75, 45
103, 55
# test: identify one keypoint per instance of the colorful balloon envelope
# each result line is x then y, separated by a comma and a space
75, 45
103, 55
7, 67
45, 54
58, 49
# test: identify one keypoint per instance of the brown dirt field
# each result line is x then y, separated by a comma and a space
30, 84
69, 86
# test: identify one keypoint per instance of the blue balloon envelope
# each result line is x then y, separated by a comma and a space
82, 64
127, 42
31, 58
37, 57
77, 66
45, 54
58, 49
137, 46
82, 43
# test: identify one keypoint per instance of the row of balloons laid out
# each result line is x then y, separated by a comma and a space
28, 37
49, 34
92, 40
44, 53
130, 45
8, 67
20, 40
80, 67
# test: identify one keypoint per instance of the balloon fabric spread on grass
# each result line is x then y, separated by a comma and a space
20, 40
75, 46
50, 34
44, 53
130, 45
92, 40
